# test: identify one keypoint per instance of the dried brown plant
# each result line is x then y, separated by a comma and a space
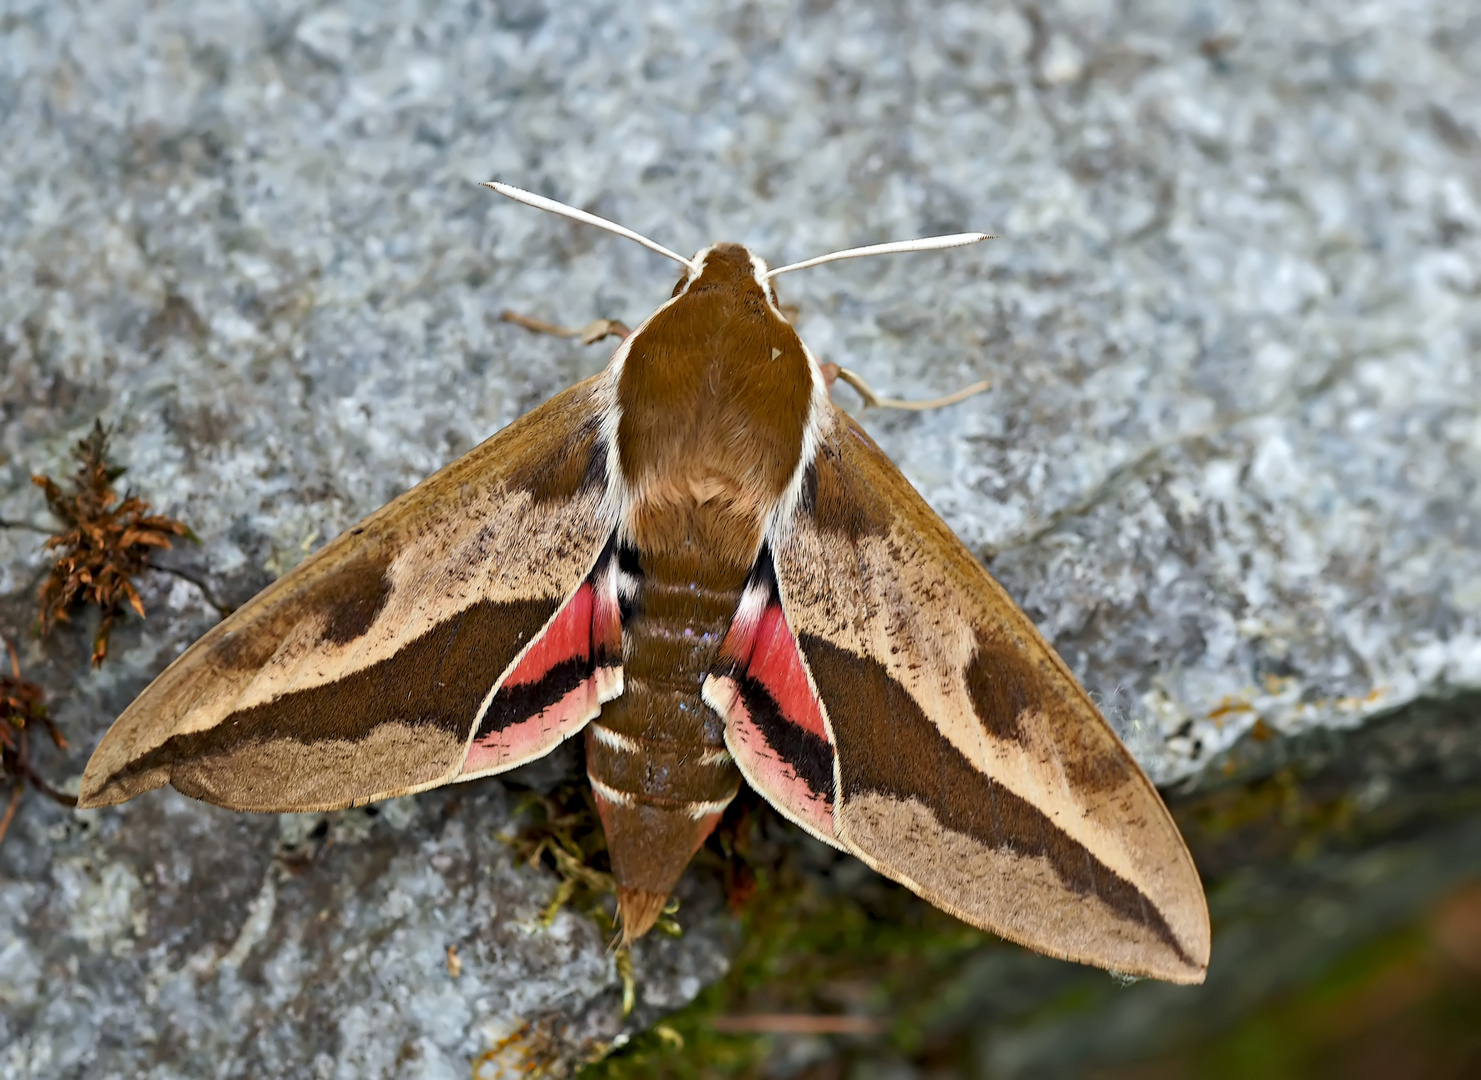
107, 542
22, 707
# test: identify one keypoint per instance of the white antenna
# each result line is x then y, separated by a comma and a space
927, 243
542, 203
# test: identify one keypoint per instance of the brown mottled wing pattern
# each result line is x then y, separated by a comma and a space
359, 675
971, 766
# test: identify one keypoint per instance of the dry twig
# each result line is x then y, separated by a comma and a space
798, 1024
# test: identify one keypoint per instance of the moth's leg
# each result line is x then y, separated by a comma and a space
833, 373
588, 334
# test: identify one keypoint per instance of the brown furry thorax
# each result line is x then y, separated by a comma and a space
709, 453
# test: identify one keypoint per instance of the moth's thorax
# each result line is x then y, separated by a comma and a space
713, 395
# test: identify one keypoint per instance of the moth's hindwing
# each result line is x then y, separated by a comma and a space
362, 673
773, 725
971, 766
560, 682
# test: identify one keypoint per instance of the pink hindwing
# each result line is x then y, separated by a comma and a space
773, 725
560, 682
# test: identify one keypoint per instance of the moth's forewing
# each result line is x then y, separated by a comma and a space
361, 674
970, 765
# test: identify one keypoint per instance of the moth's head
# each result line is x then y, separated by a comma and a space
727, 266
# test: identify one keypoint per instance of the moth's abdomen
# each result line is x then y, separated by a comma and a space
656, 756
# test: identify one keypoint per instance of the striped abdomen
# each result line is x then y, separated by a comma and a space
656, 756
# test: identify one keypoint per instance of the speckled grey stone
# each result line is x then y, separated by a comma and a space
171, 938
1228, 461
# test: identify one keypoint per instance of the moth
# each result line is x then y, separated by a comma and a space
701, 565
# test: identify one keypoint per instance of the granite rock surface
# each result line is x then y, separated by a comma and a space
1228, 460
